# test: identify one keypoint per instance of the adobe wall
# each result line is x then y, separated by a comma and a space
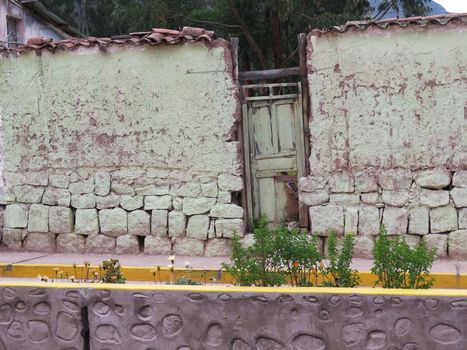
388, 135
190, 318
124, 151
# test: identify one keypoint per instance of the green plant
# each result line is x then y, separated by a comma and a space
397, 265
338, 272
258, 264
187, 281
112, 272
299, 256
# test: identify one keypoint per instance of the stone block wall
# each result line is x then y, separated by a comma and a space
125, 211
129, 151
427, 204
388, 135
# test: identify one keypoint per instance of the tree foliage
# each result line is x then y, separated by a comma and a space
267, 29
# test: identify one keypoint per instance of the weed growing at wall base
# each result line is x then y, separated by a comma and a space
397, 265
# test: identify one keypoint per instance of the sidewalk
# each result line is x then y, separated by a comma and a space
26, 258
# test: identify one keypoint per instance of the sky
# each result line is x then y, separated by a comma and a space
454, 5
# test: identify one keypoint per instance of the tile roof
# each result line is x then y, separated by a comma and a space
158, 36
396, 22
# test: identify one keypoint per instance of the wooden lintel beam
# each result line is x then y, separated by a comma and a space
269, 74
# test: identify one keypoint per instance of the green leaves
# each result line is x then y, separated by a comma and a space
338, 272
397, 265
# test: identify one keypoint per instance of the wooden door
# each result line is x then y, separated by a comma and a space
273, 126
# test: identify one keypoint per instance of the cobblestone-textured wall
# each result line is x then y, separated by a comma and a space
389, 135
192, 320
128, 151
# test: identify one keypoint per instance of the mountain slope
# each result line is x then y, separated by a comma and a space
436, 9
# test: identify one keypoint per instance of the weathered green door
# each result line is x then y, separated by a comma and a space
274, 149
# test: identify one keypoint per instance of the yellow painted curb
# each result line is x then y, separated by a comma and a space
206, 276
234, 289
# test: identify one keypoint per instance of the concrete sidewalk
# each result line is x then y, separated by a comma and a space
440, 266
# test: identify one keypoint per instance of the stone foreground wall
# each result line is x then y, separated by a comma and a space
129, 151
389, 135
190, 320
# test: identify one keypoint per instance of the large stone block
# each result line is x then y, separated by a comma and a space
37, 178
312, 183
107, 202
345, 199
419, 221
61, 220
100, 244
59, 180
38, 218
113, 222
127, 244
198, 226
122, 188
395, 179
463, 218
457, 242
395, 198
459, 197
191, 189
102, 183
228, 227
139, 223
460, 179
177, 224
311, 199
39, 242
218, 247
224, 197
326, 219
433, 178
87, 222
7, 196
230, 183
12, 238
131, 203
364, 246
395, 220
209, 189
152, 190
443, 219
28, 193
372, 198
226, 211
369, 221
433, 198
157, 245
159, 222
341, 182
16, 216
202, 205
365, 181
56, 196
82, 186
188, 247
70, 243
83, 201
440, 242
157, 202
351, 220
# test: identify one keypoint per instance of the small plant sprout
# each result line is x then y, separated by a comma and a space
154, 275
56, 269
187, 265
171, 267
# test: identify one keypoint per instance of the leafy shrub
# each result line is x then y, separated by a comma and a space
112, 272
258, 265
299, 256
338, 272
397, 265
